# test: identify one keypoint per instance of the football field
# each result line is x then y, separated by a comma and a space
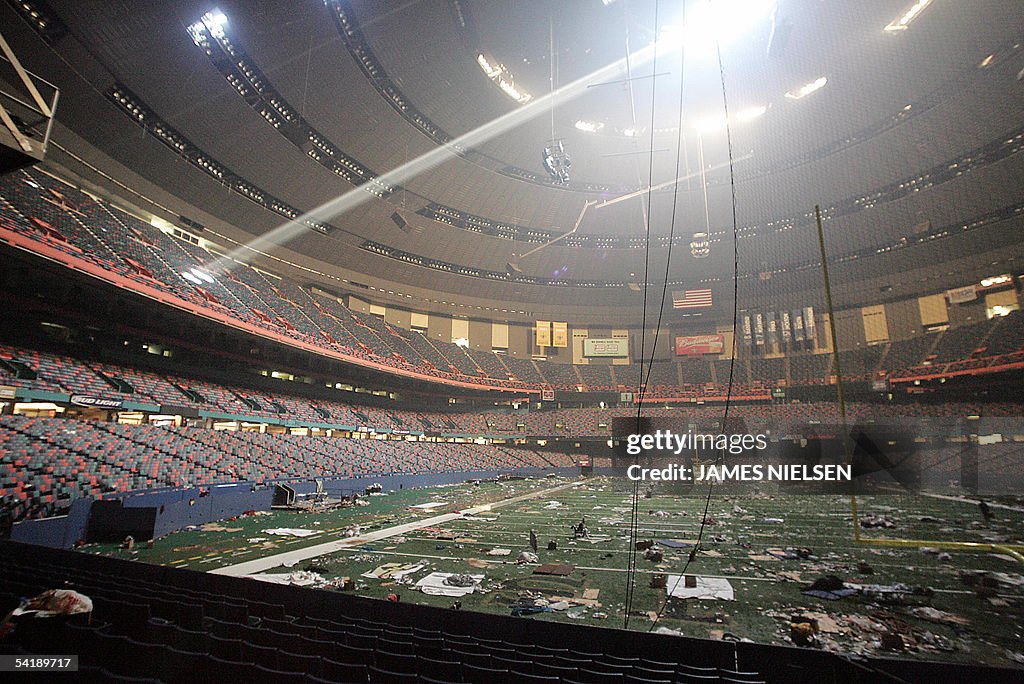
758, 552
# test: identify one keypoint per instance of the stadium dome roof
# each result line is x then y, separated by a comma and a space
900, 119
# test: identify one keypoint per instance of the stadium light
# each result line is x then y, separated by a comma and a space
901, 23
806, 89
718, 23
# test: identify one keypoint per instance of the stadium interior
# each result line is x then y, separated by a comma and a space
339, 339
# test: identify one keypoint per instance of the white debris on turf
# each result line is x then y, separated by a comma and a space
526, 557
706, 588
290, 532
256, 540
299, 578
428, 506
553, 504
500, 552
394, 571
436, 584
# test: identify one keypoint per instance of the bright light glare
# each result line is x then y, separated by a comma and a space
807, 89
751, 113
716, 21
503, 78
216, 18
718, 123
202, 275
911, 14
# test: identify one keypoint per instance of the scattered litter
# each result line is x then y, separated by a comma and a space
299, 578
459, 580
217, 527
871, 520
829, 587
54, 602
428, 506
941, 616
526, 557
394, 570
654, 554
775, 521
553, 504
553, 569
499, 552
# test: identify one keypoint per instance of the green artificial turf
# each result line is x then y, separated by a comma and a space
767, 591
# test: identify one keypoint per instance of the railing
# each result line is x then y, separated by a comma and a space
28, 116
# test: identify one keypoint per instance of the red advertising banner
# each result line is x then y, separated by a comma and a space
695, 345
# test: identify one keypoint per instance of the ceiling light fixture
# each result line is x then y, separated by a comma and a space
589, 126
500, 75
903, 22
719, 123
806, 89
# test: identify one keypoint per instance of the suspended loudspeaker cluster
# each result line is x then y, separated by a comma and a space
700, 246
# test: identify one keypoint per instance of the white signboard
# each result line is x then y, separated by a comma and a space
617, 347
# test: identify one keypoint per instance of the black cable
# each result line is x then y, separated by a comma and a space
642, 385
735, 312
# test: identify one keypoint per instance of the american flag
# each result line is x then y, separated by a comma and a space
691, 299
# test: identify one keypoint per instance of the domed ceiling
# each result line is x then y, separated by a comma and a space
729, 119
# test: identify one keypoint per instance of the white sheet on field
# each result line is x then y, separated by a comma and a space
290, 532
707, 588
428, 506
394, 571
433, 585
299, 578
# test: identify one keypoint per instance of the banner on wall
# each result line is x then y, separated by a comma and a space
798, 325
747, 333
542, 334
960, 295
786, 330
96, 402
614, 347
547, 394
773, 338
696, 345
559, 334
812, 331
7, 392
759, 330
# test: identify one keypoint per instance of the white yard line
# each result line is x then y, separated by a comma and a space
961, 499
290, 558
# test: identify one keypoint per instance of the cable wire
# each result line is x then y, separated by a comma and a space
641, 381
735, 312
